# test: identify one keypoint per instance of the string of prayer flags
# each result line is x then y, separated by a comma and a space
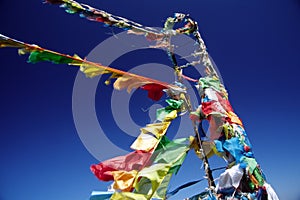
163, 38
93, 14
124, 79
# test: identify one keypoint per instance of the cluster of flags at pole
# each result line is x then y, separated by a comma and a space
146, 172
244, 176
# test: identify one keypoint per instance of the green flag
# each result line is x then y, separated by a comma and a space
172, 152
150, 178
210, 82
167, 159
38, 56
173, 105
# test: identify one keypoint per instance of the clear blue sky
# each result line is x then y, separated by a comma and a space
255, 44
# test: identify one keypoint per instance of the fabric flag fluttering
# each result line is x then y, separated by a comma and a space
150, 136
133, 161
174, 105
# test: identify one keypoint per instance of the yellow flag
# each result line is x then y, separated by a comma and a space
157, 129
128, 196
161, 191
234, 118
150, 178
128, 82
172, 115
112, 76
145, 142
91, 70
124, 180
150, 136
208, 149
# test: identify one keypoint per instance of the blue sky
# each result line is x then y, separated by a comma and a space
255, 45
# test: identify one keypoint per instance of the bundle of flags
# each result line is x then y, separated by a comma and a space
146, 172
231, 142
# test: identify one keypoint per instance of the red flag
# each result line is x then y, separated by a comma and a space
133, 161
212, 107
224, 102
220, 106
155, 91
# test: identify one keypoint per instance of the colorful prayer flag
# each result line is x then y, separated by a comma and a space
133, 161
124, 180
